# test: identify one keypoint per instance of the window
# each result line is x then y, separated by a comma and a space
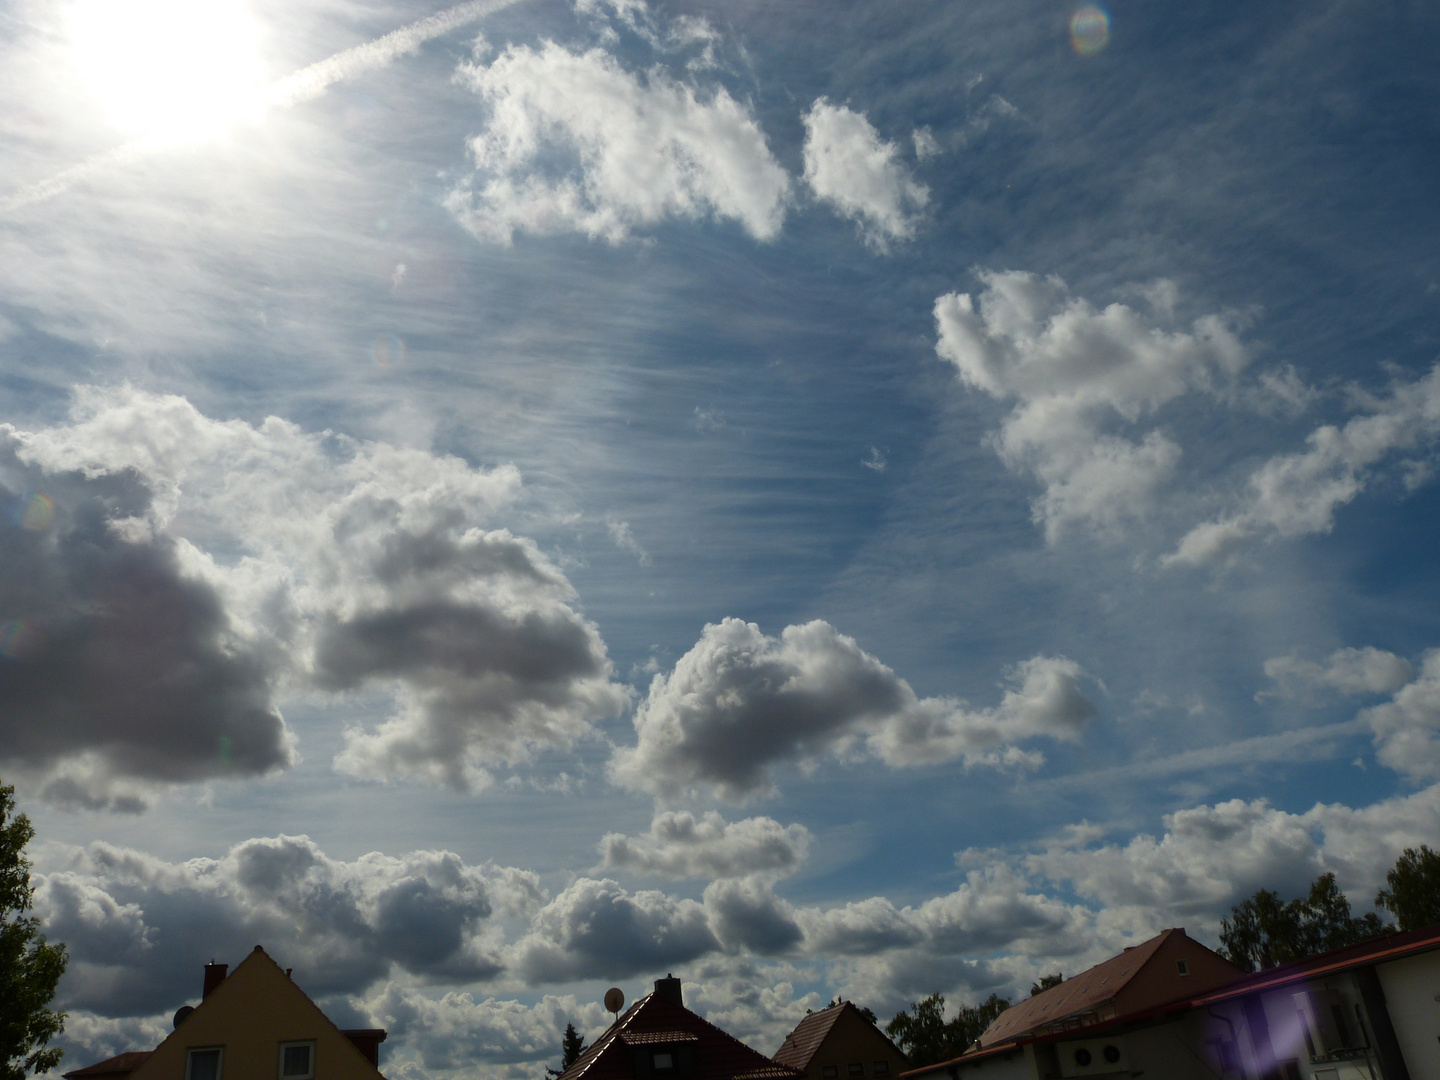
829, 1072
297, 1061
664, 1061
1182, 967
881, 1068
856, 1068
204, 1064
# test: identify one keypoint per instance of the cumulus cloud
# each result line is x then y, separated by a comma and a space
1407, 728
850, 167
356, 564
740, 703
595, 929
680, 845
745, 913
1346, 671
137, 925
1297, 494
1073, 369
455, 1030
1210, 857
576, 143
120, 670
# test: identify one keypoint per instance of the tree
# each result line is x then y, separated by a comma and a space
1045, 983
571, 1047
1265, 931
1413, 892
29, 968
925, 1036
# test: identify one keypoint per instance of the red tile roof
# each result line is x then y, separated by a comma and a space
800, 1045
654, 1020
119, 1065
1085, 991
1378, 950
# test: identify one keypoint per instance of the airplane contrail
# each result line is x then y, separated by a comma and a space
304, 85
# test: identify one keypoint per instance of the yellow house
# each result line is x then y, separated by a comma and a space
258, 1025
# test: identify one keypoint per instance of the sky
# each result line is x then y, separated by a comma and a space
510, 500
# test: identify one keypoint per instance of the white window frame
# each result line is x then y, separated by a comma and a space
191, 1051
280, 1060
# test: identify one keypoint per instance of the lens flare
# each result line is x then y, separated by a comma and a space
39, 513
1089, 30
388, 350
16, 637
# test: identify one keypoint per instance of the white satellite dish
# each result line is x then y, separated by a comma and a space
614, 1000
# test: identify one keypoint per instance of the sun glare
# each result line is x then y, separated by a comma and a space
174, 70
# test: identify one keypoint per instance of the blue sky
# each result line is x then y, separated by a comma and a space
870, 499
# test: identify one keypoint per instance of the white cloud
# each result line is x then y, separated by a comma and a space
850, 167
680, 845
926, 145
455, 1030
1346, 671
1071, 369
1294, 495
138, 926
1211, 857
358, 564
624, 538
641, 149
1407, 728
740, 703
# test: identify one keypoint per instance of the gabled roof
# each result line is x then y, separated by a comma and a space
802, 1044
654, 1020
119, 1065
1379, 950
1139, 978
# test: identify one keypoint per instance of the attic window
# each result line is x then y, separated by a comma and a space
1182, 967
829, 1072
204, 1064
664, 1061
297, 1061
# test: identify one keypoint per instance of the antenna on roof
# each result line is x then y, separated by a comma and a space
615, 1000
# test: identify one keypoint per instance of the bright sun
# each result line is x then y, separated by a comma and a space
174, 70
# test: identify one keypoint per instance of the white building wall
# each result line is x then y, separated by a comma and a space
1411, 986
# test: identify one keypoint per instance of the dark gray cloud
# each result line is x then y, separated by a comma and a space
746, 914
741, 703
138, 927
117, 666
680, 845
596, 929
367, 565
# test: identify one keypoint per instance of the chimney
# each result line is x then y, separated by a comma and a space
669, 988
214, 976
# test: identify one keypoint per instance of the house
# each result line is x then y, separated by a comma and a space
841, 1043
658, 1037
1367, 1012
255, 1024
1168, 967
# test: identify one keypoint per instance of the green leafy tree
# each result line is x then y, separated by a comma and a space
1412, 892
925, 1036
1045, 983
1265, 931
29, 968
